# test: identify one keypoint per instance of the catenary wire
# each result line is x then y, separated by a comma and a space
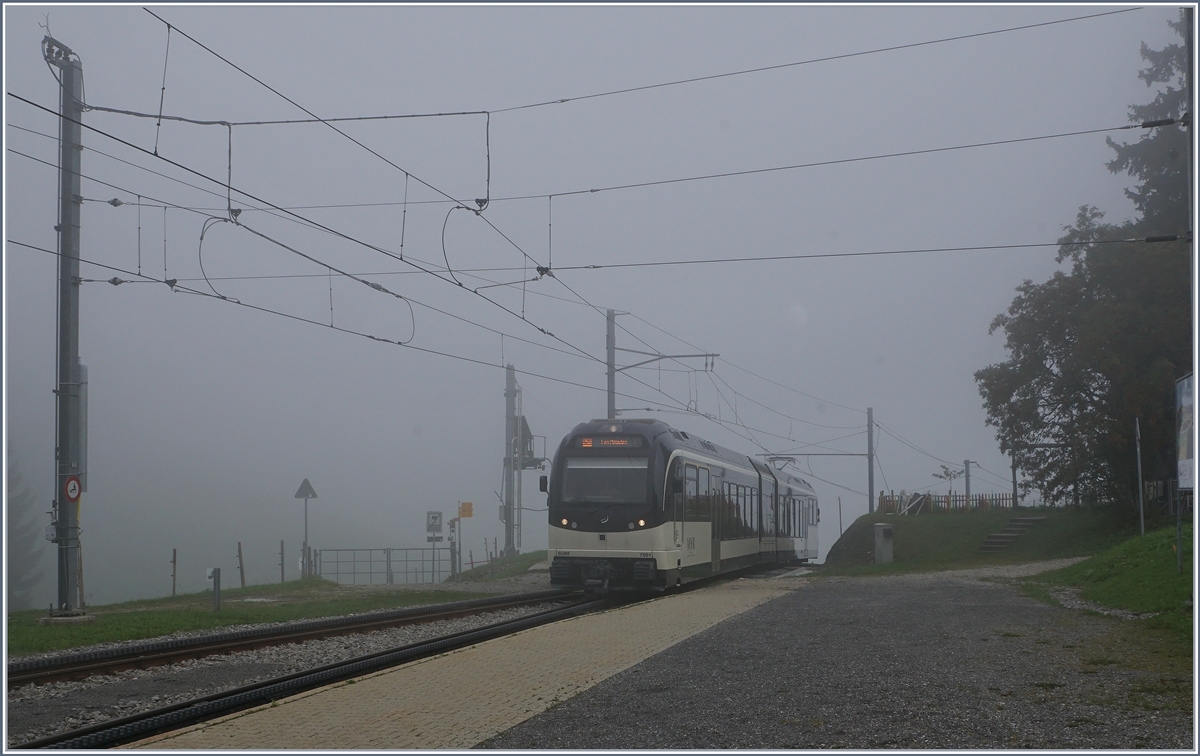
627, 90
735, 365
355, 276
806, 62
340, 234
289, 316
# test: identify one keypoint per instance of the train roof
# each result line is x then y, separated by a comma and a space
653, 428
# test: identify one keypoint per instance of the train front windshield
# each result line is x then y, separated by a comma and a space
605, 480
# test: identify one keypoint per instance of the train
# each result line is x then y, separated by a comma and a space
636, 505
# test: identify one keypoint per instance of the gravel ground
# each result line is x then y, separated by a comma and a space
935, 660
36, 711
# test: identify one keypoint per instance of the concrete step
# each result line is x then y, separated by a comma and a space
1015, 527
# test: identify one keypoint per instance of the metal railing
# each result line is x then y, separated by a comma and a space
384, 566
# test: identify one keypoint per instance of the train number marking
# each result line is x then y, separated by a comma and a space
645, 554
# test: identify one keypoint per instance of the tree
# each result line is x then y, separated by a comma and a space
25, 540
1094, 348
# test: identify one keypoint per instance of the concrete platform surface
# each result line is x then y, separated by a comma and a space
464, 697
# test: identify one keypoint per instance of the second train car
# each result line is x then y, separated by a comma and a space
639, 505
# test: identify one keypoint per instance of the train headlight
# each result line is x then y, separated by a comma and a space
641, 523
574, 525
631, 526
564, 522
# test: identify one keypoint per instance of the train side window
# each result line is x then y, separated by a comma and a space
703, 507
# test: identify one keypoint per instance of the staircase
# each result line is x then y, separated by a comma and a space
1016, 526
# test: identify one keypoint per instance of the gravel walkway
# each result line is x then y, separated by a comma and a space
936, 660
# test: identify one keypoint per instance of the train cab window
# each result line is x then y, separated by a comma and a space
618, 480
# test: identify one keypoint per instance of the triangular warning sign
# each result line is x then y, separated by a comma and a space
306, 491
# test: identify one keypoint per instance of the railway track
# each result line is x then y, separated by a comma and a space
135, 727
78, 666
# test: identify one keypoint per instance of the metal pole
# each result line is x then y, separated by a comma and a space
1137, 435
1178, 527
870, 460
241, 565
967, 467
174, 569
840, 531
282, 579
69, 438
216, 589
304, 550
519, 473
611, 349
1012, 452
511, 432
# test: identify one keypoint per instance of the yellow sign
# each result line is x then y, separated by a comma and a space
464, 508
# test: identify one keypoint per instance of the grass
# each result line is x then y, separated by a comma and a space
947, 541
504, 567
149, 618
1139, 575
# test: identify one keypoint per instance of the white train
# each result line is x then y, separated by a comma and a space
636, 504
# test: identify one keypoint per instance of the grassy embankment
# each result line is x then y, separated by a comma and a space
949, 541
1139, 575
503, 567
280, 602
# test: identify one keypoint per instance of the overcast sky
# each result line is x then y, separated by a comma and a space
205, 416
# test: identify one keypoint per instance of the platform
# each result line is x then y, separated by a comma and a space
464, 697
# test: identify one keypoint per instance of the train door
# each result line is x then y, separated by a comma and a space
691, 494
716, 508
766, 518
697, 517
691, 482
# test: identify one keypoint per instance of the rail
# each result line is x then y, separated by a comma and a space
153, 653
138, 726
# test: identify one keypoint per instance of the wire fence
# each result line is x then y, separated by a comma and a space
384, 566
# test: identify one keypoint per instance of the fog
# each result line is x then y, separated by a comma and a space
205, 416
